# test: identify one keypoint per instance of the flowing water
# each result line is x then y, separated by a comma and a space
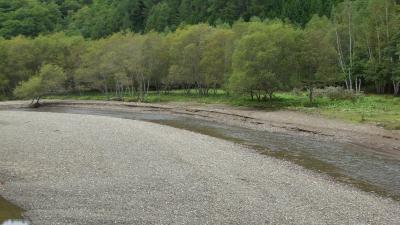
343, 162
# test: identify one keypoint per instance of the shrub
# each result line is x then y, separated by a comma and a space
130, 99
49, 80
337, 93
297, 92
319, 93
117, 99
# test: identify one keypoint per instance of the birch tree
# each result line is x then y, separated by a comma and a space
345, 38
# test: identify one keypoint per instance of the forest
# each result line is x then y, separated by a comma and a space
101, 18
253, 48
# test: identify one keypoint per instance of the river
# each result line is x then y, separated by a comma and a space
343, 162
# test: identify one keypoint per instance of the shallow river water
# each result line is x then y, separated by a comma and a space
346, 163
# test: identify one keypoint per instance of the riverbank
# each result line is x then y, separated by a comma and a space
374, 138
379, 110
80, 169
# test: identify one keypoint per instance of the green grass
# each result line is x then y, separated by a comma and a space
382, 110
3, 98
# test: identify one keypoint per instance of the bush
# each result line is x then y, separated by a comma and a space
297, 92
117, 99
49, 80
337, 93
319, 93
130, 99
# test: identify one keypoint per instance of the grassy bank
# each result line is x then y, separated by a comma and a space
382, 110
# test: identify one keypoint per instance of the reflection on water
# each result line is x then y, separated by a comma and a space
348, 163
10, 214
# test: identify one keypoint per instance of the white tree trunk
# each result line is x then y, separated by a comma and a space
350, 48
396, 87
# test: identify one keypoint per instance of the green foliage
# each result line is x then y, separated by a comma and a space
50, 80
272, 56
367, 33
18, 61
28, 17
318, 55
53, 79
95, 21
29, 89
187, 53
101, 18
159, 18
23, 57
358, 48
337, 93
247, 48
216, 62
254, 61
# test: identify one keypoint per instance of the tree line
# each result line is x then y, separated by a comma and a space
358, 48
100, 18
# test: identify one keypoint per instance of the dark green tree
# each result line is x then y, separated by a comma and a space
28, 17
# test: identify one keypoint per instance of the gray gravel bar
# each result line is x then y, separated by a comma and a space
81, 169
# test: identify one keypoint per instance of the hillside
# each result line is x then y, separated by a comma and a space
100, 18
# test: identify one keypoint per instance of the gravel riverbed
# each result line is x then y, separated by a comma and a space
80, 169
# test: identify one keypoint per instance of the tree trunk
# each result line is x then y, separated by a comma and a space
106, 91
340, 52
258, 96
311, 94
370, 53
396, 87
387, 20
357, 84
35, 104
147, 89
379, 45
3, 90
140, 91
380, 87
350, 48
158, 87
105, 86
